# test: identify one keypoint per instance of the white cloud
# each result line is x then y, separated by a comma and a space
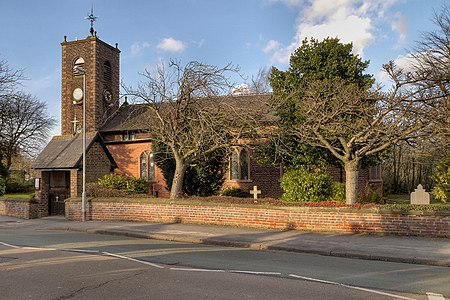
138, 47
272, 45
291, 3
400, 24
171, 45
199, 43
352, 21
241, 89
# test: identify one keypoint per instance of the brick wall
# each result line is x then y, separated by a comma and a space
97, 163
127, 157
21, 208
42, 195
310, 219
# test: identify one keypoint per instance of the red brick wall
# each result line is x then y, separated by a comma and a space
42, 195
127, 157
311, 219
97, 163
21, 208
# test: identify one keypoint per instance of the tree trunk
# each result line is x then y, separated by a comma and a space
351, 181
178, 178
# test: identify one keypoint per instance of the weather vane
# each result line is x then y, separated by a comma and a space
92, 18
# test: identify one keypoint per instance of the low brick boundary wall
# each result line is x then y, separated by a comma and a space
21, 208
342, 220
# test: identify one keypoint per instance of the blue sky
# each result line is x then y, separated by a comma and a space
250, 33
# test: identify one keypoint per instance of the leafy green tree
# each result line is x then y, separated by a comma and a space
325, 100
441, 188
314, 60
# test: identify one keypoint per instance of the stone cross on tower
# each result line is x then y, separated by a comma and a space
75, 124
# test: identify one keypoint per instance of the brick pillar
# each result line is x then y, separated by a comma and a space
42, 195
75, 186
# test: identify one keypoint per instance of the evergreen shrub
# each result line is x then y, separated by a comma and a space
2, 186
129, 184
302, 185
338, 191
441, 188
14, 187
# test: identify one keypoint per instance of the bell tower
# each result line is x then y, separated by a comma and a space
91, 73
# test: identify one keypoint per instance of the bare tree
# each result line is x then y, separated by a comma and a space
9, 78
353, 122
431, 61
24, 126
185, 110
260, 83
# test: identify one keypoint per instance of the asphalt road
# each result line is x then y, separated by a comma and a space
66, 265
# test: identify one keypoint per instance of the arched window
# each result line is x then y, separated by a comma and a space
143, 166
147, 167
234, 165
243, 159
79, 62
239, 164
151, 168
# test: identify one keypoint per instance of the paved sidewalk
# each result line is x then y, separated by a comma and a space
419, 250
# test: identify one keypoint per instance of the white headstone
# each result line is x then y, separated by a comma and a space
420, 196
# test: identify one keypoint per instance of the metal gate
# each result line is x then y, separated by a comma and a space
56, 204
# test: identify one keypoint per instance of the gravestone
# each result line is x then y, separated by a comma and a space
420, 196
255, 192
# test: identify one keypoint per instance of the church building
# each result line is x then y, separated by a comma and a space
115, 141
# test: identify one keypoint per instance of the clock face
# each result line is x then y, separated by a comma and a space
107, 95
78, 94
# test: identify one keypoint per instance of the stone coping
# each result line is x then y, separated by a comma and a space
30, 200
398, 209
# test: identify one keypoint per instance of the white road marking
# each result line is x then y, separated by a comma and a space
9, 245
133, 259
196, 270
433, 296
351, 287
85, 251
82, 251
254, 272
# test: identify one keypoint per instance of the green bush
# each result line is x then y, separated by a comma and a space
129, 184
441, 188
303, 185
338, 191
2, 186
234, 192
15, 187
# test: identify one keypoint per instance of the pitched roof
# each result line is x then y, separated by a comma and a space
65, 152
135, 117
128, 118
